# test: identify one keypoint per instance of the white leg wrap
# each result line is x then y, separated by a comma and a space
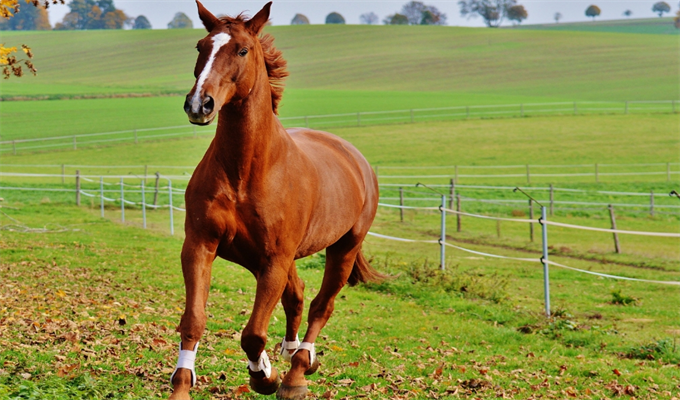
187, 359
309, 347
262, 364
286, 346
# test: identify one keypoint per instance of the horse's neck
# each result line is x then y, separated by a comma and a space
249, 137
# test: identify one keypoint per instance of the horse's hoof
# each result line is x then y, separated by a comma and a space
312, 368
263, 385
291, 392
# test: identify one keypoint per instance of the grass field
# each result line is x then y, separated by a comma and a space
655, 26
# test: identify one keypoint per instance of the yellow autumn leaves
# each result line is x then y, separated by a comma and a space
12, 65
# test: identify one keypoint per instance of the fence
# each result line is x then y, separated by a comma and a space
544, 260
442, 208
351, 119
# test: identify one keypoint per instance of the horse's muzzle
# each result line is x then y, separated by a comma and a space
200, 113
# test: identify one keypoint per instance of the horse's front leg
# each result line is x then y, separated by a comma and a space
293, 304
197, 259
271, 282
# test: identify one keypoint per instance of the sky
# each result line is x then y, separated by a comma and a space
160, 12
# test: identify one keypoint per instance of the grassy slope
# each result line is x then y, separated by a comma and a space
654, 26
555, 65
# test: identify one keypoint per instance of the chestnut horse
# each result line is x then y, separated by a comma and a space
263, 197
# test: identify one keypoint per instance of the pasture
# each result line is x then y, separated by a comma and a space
653, 26
93, 303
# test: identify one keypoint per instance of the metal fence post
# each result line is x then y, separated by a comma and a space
442, 239
401, 203
101, 196
77, 187
122, 201
143, 207
172, 222
612, 217
544, 260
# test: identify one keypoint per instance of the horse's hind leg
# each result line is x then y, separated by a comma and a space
293, 304
340, 258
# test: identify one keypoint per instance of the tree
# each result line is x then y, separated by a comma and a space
517, 13
27, 19
628, 13
92, 14
492, 11
299, 19
181, 21
141, 22
593, 11
335, 18
676, 20
10, 64
395, 19
557, 17
419, 13
369, 18
661, 7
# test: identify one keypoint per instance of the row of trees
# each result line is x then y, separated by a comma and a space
83, 14
412, 13
493, 11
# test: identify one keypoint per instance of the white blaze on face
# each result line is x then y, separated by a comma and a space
219, 40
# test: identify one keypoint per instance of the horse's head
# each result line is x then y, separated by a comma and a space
227, 65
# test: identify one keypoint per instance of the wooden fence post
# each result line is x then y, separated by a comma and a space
458, 227
401, 203
155, 193
452, 193
552, 199
498, 228
528, 175
612, 217
77, 187
531, 216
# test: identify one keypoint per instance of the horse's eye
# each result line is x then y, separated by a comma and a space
243, 52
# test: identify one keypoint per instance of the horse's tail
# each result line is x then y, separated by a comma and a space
362, 272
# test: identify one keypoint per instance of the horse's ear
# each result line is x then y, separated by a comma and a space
209, 21
255, 24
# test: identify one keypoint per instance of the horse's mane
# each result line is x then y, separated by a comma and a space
273, 60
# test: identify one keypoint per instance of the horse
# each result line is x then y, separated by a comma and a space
262, 197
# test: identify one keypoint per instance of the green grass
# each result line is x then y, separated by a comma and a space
553, 140
478, 325
655, 26
490, 62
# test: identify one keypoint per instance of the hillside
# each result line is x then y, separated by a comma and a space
655, 26
463, 61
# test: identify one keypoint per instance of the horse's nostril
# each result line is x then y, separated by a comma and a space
187, 105
208, 105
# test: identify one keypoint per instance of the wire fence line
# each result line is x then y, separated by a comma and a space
351, 119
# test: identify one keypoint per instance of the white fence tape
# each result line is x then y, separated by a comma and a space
588, 228
398, 239
625, 278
